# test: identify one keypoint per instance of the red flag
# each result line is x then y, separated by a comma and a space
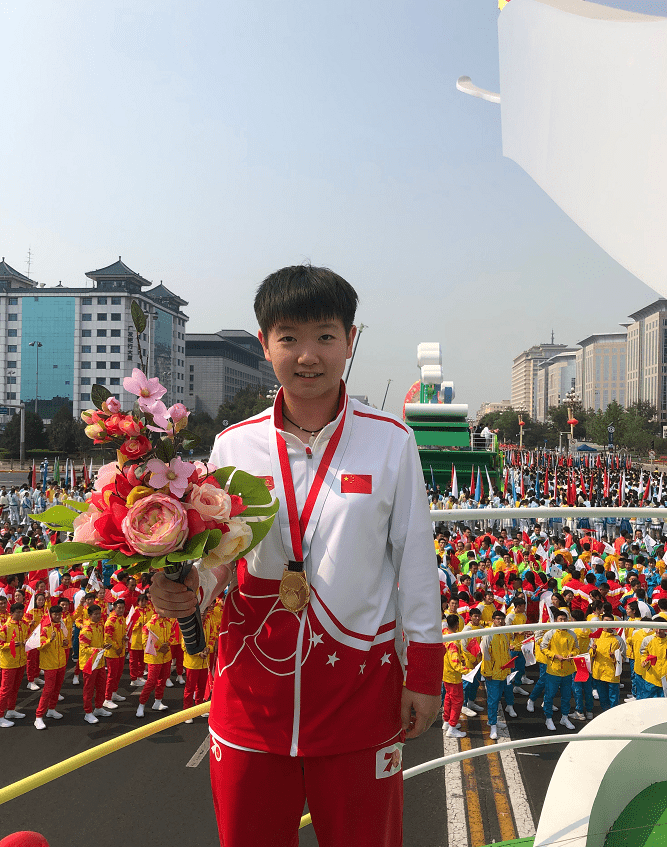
581, 665
33, 481
523, 493
606, 483
583, 484
646, 490
356, 484
12, 643
525, 537
86, 476
472, 479
73, 476
509, 664
95, 660
652, 659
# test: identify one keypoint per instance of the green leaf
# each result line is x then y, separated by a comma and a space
77, 550
98, 394
252, 490
72, 549
82, 557
165, 450
222, 475
138, 317
193, 549
190, 439
124, 561
261, 511
214, 537
57, 517
141, 567
77, 505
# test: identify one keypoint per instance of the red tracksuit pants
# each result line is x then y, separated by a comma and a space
33, 665
93, 686
177, 658
9, 690
53, 680
114, 673
157, 679
351, 803
195, 686
136, 664
451, 710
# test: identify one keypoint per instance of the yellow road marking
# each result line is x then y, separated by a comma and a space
475, 824
499, 786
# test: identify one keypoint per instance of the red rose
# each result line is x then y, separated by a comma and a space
134, 448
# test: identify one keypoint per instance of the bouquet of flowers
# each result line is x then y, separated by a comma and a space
150, 509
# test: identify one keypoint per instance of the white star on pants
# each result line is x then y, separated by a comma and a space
333, 658
385, 659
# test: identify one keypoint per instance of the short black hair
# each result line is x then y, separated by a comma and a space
92, 609
16, 607
303, 293
453, 621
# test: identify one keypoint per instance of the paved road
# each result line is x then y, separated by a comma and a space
161, 798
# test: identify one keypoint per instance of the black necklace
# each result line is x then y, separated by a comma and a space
309, 431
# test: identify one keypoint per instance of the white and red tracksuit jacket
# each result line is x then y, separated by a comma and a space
329, 679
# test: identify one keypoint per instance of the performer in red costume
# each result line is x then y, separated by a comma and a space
309, 700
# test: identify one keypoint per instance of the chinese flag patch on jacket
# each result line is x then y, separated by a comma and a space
356, 483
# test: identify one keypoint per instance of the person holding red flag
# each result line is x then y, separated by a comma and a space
157, 655
13, 635
52, 660
92, 644
558, 647
197, 666
136, 621
497, 665
115, 634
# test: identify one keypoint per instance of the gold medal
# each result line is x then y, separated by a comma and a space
294, 591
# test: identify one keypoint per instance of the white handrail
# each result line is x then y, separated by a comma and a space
528, 742
543, 627
546, 512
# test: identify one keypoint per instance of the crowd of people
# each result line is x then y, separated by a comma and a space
530, 480
97, 622
492, 573
535, 576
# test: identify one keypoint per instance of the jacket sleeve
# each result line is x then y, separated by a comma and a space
413, 557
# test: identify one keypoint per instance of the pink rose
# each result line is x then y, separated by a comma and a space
112, 405
156, 525
212, 503
106, 475
232, 544
84, 527
177, 412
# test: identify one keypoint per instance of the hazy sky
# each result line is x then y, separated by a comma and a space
210, 143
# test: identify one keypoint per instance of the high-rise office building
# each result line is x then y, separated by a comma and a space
219, 364
55, 343
524, 375
647, 357
601, 370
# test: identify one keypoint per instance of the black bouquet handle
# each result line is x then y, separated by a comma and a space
192, 628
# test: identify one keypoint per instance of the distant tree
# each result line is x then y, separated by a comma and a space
64, 432
203, 425
35, 435
247, 402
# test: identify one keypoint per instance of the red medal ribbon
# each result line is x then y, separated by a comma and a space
298, 525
